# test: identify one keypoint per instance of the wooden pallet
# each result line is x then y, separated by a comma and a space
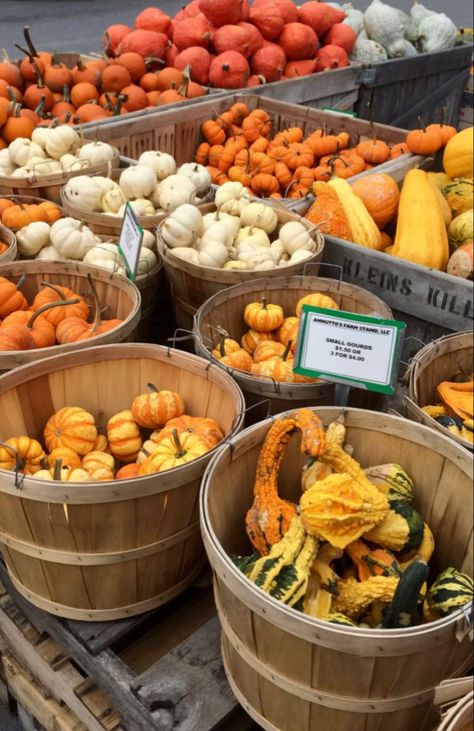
161, 670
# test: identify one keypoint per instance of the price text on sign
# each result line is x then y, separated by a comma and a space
357, 350
130, 241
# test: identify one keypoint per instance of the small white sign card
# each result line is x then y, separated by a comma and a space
344, 347
130, 240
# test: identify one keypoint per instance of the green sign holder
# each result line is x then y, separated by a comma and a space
130, 241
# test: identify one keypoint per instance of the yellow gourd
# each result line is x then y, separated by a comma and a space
458, 155
421, 232
443, 203
363, 227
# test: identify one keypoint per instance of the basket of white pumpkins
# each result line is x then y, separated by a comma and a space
231, 240
41, 166
154, 186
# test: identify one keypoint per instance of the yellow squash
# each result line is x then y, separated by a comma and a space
443, 203
458, 154
421, 235
363, 227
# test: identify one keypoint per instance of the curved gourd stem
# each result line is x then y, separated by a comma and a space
19, 463
287, 350
222, 346
55, 288
29, 42
21, 281
152, 388
61, 303
180, 451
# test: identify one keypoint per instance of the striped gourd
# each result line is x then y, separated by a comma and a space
393, 481
339, 618
450, 591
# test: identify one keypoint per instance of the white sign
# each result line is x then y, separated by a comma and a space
130, 241
358, 350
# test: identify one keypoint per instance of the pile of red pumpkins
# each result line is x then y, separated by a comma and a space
231, 44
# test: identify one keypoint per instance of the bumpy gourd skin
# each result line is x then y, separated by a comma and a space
354, 597
270, 516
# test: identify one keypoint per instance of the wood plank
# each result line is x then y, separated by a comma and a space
182, 682
96, 636
426, 64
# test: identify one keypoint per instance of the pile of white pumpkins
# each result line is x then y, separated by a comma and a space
240, 234
152, 186
53, 150
70, 240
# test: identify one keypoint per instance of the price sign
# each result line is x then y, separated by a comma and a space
356, 350
130, 241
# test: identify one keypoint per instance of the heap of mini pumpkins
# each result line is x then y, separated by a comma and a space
15, 214
267, 348
230, 44
53, 150
355, 551
242, 146
153, 435
56, 316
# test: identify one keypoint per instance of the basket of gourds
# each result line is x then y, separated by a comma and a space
8, 245
43, 164
441, 387
251, 330
344, 537
49, 308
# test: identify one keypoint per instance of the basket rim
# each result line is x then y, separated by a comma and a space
113, 489
305, 623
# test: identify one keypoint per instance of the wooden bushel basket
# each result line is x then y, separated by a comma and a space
8, 237
461, 716
225, 310
436, 362
291, 671
120, 298
100, 551
456, 701
191, 284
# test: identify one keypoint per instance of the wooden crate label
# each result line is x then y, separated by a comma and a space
424, 293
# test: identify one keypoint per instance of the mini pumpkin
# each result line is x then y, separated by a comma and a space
152, 410
288, 330
262, 316
174, 451
71, 427
252, 338
23, 452
205, 428
124, 436
316, 299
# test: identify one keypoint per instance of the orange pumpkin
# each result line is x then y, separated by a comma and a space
268, 350
11, 298
53, 293
23, 453
128, 471
424, 141
287, 331
252, 338
206, 429
71, 427
124, 436
30, 331
154, 409
69, 458
262, 316
373, 151
380, 194
239, 359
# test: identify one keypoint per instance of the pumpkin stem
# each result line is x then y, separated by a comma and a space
222, 345
97, 318
39, 78
29, 42
66, 96
21, 281
49, 306
108, 44
57, 469
55, 60
152, 59
40, 108
19, 463
5, 56
180, 451
287, 350
79, 65
117, 108
264, 303
152, 387
12, 98
55, 288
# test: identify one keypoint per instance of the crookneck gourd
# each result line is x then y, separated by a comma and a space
270, 516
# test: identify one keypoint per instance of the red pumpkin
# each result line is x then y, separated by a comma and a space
269, 62
170, 56
298, 41
341, 35
317, 15
134, 63
154, 19
231, 38
267, 18
113, 36
254, 37
136, 97
288, 10
331, 57
198, 59
145, 42
336, 15
188, 11
221, 12
229, 70
255, 80
300, 68
192, 32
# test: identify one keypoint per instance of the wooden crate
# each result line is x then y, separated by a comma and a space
178, 131
399, 91
160, 671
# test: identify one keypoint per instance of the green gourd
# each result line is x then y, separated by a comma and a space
402, 610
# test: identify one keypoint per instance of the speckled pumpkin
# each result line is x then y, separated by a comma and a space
71, 427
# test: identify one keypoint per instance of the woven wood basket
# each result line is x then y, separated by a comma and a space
107, 550
293, 672
8, 237
49, 186
191, 285
119, 299
225, 310
438, 361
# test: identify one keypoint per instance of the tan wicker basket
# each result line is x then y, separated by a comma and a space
291, 671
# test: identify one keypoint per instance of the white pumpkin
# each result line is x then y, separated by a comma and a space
96, 153
40, 166
198, 175
252, 234
70, 162
183, 226
107, 256
257, 254
278, 249
383, 25
137, 181
22, 149
113, 200
146, 261
293, 236
84, 192
40, 135
33, 237
161, 163
72, 238
261, 215
60, 140
367, 51
174, 191
220, 231
20, 173
231, 222
187, 253
232, 197
436, 33
260, 265
300, 255
213, 254
7, 165
141, 207
105, 183
50, 253
149, 240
